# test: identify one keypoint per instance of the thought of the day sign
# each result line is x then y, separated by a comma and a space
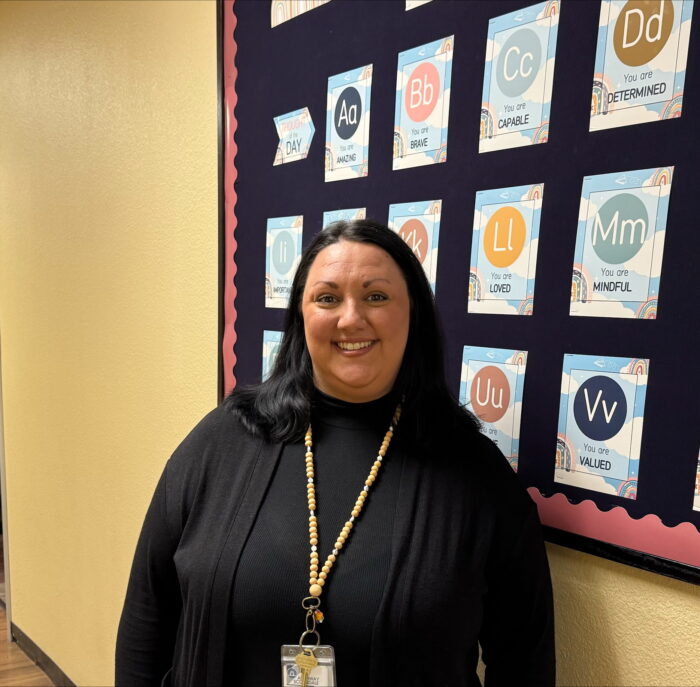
601, 416
518, 77
640, 62
620, 243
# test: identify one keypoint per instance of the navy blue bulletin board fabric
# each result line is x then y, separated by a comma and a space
285, 68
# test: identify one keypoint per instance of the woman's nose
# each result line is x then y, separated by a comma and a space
350, 315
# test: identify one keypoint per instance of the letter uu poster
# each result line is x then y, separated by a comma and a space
620, 244
282, 254
418, 224
518, 77
640, 62
271, 344
491, 386
601, 416
347, 124
346, 215
504, 250
422, 106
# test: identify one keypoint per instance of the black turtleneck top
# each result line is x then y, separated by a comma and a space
273, 573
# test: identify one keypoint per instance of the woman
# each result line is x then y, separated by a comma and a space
444, 551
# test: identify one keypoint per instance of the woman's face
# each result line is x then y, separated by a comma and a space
356, 313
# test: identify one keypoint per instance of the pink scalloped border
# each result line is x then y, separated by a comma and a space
648, 534
230, 197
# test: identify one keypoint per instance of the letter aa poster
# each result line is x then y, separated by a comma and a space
518, 77
601, 416
422, 104
282, 254
346, 215
620, 244
271, 344
347, 124
640, 62
504, 250
491, 386
418, 224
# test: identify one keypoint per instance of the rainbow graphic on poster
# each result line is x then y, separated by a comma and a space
422, 107
620, 244
347, 124
343, 215
282, 255
504, 250
640, 62
418, 224
491, 386
271, 344
601, 417
518, 77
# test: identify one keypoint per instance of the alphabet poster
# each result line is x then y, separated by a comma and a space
271, 343
282, 255
620, 243
346, 215
518, 77
418, 224
601, 416
347, 124
422, 104
640, 62
504, 250
696, 500
295, 131
491, 386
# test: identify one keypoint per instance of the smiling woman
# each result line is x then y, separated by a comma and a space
238, 553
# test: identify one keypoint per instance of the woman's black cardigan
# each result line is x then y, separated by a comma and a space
467, 564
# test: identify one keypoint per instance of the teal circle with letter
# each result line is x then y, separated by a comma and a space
283, 252
620, 228
518, 62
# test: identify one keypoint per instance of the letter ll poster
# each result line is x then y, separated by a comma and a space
640, 62
422, 106
601, 415
345, 215
504, 250
282, 254
347, 124
620, 243
518, 77
696, 500
418, 224
271, 344
491, 386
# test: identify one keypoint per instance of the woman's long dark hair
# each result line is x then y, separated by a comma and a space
280, 407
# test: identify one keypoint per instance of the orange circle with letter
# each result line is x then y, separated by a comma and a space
414, 233
504, 237
490, 394
642, 30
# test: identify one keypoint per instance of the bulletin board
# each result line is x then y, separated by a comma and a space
542, 161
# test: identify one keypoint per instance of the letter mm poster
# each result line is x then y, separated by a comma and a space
282, 254
601, 415
345, 215
518, 77
640, 62
347, 124
504, 250
418, 224
422, 106
271, 344
620, 243
491, 386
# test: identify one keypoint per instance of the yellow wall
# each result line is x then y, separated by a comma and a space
108, 269
108, 293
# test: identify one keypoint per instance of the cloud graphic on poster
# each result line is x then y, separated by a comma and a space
585, 481
667, 59
493, 48
642, 263
607, 18
587, 210
568, 384
655, 190
513, 139
435, 119
494, 307
521, 265
620, 443
629, 115
480, 219
541, 87
413, 160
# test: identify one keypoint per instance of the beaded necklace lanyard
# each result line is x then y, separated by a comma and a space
306, 659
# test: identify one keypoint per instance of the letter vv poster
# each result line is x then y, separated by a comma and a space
601, 416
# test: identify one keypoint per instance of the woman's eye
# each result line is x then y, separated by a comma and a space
326, 298
376, 297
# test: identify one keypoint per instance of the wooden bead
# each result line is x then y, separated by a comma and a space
325, 568
313, 541
315, 590
323, 575
331, 558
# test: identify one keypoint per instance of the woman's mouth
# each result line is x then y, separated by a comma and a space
354, 345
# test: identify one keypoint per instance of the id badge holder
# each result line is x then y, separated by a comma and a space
321, 675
